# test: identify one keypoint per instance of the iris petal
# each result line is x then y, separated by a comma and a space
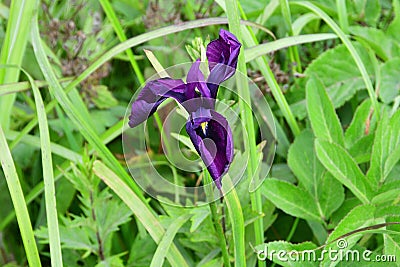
152, 95
211, 135
222, 55
195, 79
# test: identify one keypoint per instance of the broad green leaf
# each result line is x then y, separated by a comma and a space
304, 163
291, 199
324, 120
330, 195
365, 10
393, 29
103, 98
390, 82
359, 217
326, 190
343, 167
384, 46
358, 126
361, 150
306, 256
340, 76
385, 152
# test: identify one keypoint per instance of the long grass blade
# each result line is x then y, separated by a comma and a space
13, 51
48, 178
17, 197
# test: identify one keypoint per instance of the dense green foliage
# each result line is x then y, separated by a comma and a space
328, 69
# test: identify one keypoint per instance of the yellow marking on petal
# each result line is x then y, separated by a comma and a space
204, 127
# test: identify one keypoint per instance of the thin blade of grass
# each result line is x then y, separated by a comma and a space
167, 240
48, 178
17, 197
263, 49
146, 217
13, 51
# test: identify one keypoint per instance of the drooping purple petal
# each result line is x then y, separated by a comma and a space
211, 135
195, 80
222, 55
152, 95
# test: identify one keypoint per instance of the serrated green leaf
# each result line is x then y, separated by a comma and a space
390, 82
303, 161
365, 10
103, 99
359, 217
385, 153
383, 45
326, 190
324, 120
361, 150
330, 195
344, 168
291, 199
357, 127
341, 77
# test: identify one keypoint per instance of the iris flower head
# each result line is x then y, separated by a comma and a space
208, 130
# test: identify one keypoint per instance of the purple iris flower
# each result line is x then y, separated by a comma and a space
208, 130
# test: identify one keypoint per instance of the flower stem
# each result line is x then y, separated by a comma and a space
214, 215
247, 117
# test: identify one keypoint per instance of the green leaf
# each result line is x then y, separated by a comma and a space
390, 82
365, 10
103, 98
393, 29
167, 240
270, 251
362, 149
384, 46
385, 152
340, 76
359, 217
303, 161
344, 168
324, 120
328, 193
291, 199
358, 126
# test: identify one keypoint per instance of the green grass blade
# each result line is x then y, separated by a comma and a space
167, 240
146, 217
293, 52
121, 36
342, 13
48, 178
17, 197
346, 41
13, 51
263, 49
11, 88
233, 203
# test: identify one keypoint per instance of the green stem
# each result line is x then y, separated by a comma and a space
214, 215
236, 219
293, 229
293, 51
342, 13
247, 118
